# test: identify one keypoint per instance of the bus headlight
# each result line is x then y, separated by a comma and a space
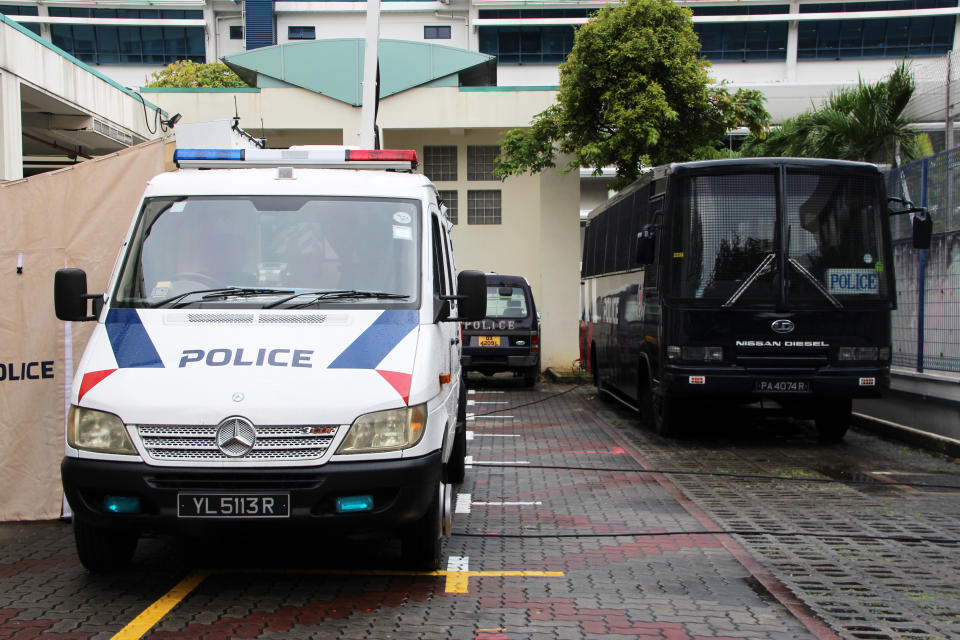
92, 430
695, 354
389, 430
863, 353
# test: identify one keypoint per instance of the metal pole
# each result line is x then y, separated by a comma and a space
368, 112
922, 271
948, 119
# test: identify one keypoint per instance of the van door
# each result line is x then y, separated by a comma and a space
443, 286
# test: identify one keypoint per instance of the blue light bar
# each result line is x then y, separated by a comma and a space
207, 154
353, 504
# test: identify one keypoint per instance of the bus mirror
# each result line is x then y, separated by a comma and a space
646, 241
922, 229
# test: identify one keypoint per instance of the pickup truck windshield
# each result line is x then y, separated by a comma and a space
730, 239
254, 251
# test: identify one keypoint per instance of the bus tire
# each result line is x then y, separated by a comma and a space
645, 400
668, 416
832, 417
420, 542
103, 550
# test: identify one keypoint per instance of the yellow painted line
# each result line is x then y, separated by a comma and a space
155, 612
457, 582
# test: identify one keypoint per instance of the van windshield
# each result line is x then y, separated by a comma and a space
269, 247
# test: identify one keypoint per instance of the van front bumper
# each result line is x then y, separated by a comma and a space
402, 491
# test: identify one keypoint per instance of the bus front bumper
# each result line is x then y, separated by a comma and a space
735, 382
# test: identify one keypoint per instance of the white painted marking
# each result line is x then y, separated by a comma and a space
487, 402
506, 504
463, 503
472, 461
484, 417
471, 391
469, 435
468, 461
470, 403
494, 435
458, 563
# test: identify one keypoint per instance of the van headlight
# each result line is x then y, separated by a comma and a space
93, 430
386, 430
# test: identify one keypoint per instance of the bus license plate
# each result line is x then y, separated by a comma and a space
233, 505
783, 386
488, 341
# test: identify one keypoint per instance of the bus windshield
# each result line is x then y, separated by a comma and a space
733, 242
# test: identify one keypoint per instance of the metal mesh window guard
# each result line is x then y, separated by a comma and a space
483, 207
450, 201
481, 160
440, 163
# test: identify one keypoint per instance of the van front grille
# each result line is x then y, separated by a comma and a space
184, 443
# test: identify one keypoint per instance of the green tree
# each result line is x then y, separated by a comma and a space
863, 123
632, 92
186, 74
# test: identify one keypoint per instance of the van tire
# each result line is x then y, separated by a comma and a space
530, 375
420, 541
102, 550
832, 417
457, 466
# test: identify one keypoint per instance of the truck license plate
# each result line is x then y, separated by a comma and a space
488, 341
233, 505
783, 386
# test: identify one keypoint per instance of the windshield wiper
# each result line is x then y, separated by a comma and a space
762, 268
336, 294
220, 292
816, 283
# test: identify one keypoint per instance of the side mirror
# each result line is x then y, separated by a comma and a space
70, 296
646, 244
471, 295
922, 229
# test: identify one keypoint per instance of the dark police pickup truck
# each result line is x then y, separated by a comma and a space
508, 339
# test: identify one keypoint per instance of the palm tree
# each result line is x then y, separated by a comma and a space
864, 123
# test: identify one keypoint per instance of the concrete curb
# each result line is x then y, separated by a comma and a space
916, 437
571, 376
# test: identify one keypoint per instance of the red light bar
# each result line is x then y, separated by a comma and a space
381, 155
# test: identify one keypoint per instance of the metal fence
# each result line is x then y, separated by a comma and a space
926, 323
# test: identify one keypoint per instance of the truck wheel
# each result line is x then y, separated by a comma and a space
420, 542
101, 549
645, 399
457, 466
668, 416
833, 418
530, 375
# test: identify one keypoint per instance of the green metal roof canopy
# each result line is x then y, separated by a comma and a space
334, 67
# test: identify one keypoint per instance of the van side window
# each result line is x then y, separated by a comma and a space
440, 277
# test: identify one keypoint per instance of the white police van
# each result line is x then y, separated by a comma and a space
278, 344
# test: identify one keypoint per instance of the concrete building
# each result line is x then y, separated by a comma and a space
456, 74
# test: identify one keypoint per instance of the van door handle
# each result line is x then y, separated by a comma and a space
454, 340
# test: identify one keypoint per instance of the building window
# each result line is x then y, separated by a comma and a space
732, 41
301, 33
9, 10
96, 44
527, 45
440, 163
480, 162
877, 38
436, 33
450, 201
236, 32
483, 207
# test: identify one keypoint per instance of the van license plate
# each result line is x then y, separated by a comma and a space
488, 341
233, 505
783, 386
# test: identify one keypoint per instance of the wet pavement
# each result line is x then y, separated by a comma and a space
573, 522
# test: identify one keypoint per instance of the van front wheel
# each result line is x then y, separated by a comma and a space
420, 541
101, 549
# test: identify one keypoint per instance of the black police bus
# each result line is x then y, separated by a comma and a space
733, 281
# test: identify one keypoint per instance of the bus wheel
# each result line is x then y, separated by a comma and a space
420, 541
668, 416
645, 399
833, 418
103, 549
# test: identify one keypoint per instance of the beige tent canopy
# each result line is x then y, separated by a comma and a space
74, 217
